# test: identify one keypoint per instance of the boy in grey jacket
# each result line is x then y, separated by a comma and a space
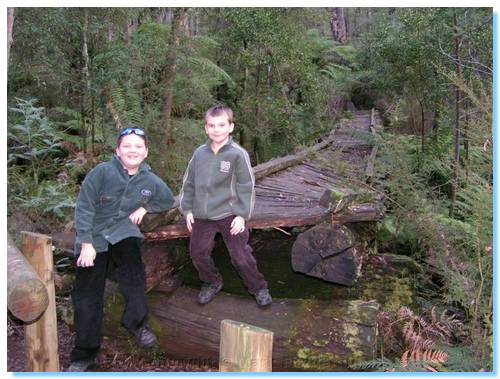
113, 199
218, 196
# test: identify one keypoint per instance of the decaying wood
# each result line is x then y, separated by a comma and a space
308, 334
27, 296
360, 213
152, 220
289, 189
328, 253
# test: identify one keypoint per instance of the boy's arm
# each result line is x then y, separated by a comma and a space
187, 191
245, 187
85, 207
163, 199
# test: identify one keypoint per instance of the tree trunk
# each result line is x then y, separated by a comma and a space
85, 79
308, 334
338, 25
10, 24
27, 297
170, 70
456, 157
422, 121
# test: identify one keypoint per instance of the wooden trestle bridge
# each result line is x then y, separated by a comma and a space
296, 190
326, 182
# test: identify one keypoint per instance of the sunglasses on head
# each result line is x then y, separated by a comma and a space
136, 131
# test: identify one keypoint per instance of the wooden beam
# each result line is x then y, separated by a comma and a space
245, 348
282, 163
41, 336
27, 296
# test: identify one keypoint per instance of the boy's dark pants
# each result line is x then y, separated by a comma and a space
124, 258
202, 243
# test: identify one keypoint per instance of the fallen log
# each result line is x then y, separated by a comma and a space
309, 335
27, 296
328, 253
160, 258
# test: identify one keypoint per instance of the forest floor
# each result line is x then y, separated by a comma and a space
111, 358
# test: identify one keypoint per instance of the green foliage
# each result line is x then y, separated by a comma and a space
32, 141
33, 162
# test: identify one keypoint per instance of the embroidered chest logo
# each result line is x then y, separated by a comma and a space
225, 166
145, 192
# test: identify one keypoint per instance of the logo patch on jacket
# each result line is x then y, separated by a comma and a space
146, 192
225, 166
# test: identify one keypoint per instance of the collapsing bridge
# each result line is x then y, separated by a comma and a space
325, 187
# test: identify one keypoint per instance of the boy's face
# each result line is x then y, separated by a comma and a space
132, 151
218, 128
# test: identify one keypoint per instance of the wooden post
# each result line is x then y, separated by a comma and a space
245, 348
41, 335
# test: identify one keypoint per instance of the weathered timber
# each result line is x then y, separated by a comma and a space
40, 336
308, 334
245, 348
359, 213
371, 163
27, 296
328, 253
153, 220
279, 164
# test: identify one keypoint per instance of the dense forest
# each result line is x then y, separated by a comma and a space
77, 75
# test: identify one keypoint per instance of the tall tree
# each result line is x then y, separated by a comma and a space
168, 77
338, 24
10, 23
456, 156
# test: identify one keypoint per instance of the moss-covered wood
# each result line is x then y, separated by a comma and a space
309, 335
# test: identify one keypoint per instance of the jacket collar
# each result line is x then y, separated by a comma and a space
118, 164
209, 141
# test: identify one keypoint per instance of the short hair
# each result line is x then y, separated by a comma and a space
131, 126
217, 110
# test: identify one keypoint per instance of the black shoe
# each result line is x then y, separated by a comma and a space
208, 292
81, 365
263, 298
145, 337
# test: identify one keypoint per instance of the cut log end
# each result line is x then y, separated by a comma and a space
327, 253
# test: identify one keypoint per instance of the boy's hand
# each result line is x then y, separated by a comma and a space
189, 221
238, 225
87, 255
137, 215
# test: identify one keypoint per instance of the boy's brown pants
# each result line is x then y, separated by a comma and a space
202, 243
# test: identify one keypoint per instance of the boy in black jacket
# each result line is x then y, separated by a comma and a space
113, 199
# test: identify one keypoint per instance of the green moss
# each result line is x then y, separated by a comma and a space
308, 359
402, 294
336, 196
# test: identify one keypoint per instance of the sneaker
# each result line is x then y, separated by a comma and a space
145, 337
81, 365
208, 292
263, 298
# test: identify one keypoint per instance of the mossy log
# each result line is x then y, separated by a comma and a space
309, 335
328, 253
27, 296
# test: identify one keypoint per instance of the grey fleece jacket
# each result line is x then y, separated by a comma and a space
219, 185
107, 197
